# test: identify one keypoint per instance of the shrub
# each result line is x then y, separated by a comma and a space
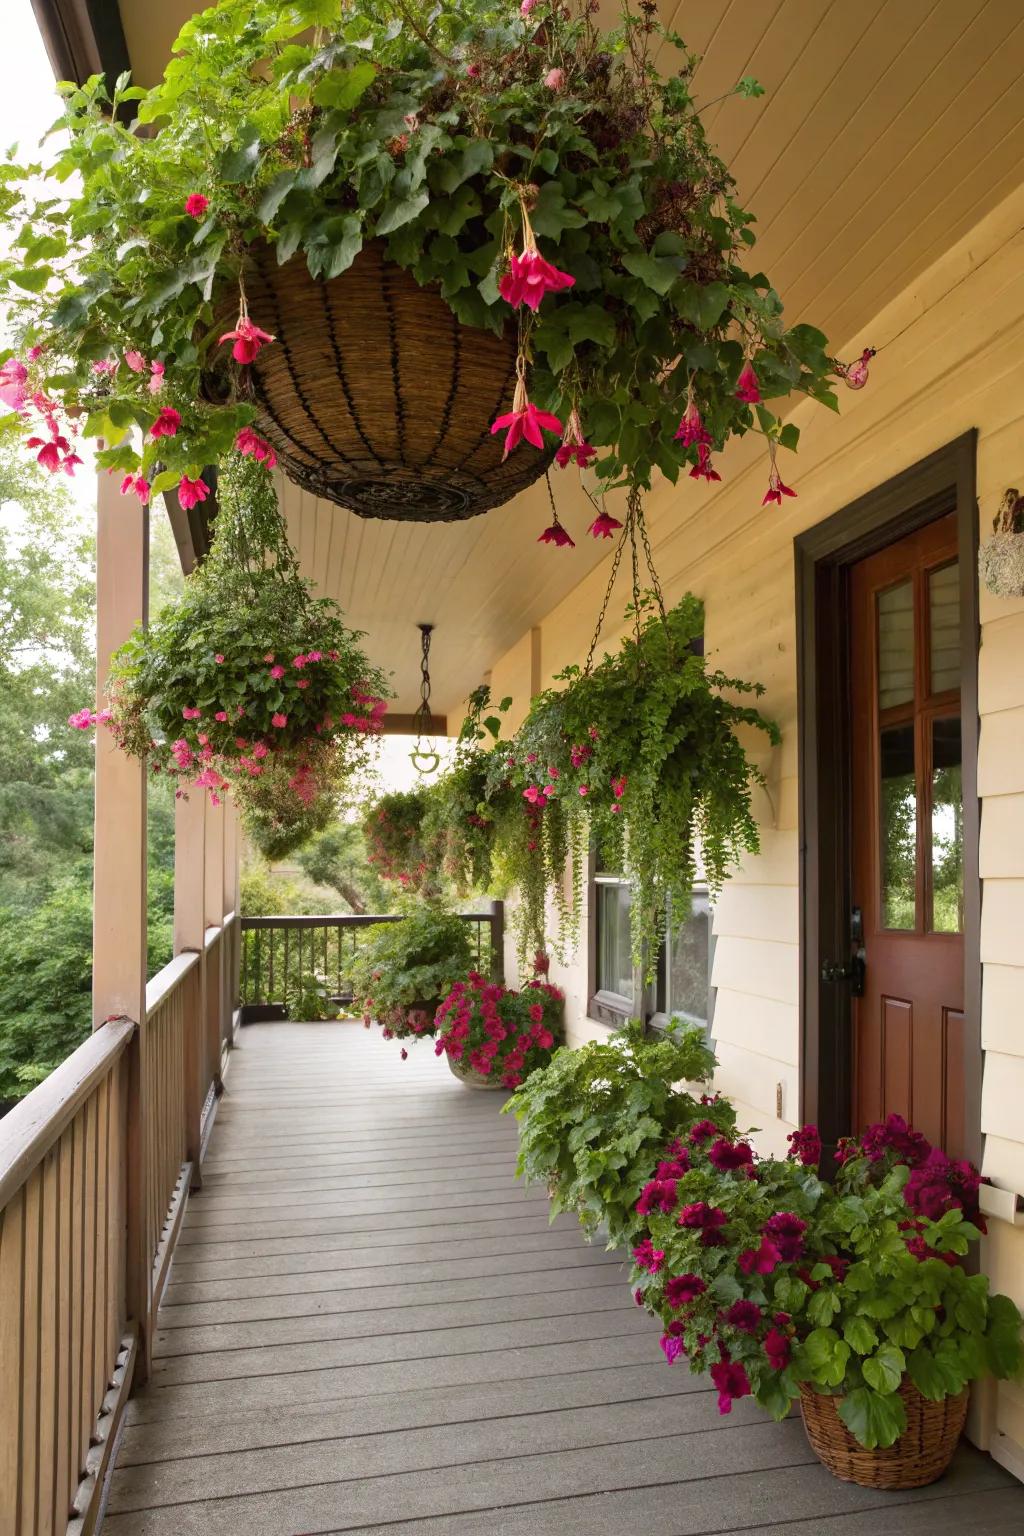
404, 969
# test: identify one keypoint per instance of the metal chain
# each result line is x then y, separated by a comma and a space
607, 596
634, 523
422, 715
645, 539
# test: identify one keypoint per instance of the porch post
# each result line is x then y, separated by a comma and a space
213, 905
189, 936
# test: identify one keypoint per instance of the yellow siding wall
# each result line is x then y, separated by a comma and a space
951, 358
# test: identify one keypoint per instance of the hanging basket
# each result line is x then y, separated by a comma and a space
376, 397
920, 1455
1001, 558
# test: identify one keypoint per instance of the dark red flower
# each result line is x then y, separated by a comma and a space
657, 1195
731, 1380
776, 1347
680, 1290
707, 1219
557, 535
726, 1155
760, 1261
248, 340
805, 1145
747, 387
700, 1132
786, 1230
196, 205
704, 469
744, 1315
603, 526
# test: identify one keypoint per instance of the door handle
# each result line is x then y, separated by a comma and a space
852, 972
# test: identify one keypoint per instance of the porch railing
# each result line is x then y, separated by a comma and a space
95, 1165
284, 957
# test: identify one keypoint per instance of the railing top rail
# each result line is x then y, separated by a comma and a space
345, 920
160, 986
211, 935
32, 1127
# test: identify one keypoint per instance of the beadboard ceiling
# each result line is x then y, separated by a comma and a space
888, 128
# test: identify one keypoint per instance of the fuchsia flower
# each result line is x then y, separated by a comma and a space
672, 1348
529, 276
137, 483
82, 719
157, 371
135, 361
249, 441
191, 492
557, 535
573, 447
191, 713
196, 204
277, 671
603, 526
473, 71
278, 720
701, 1132
646, 1256
731, 1380
747, 387
524, 420
855, 375
248, 339
786, 1230
691, 430
13, 375
167, 423
704, 469
776, 490
707, 1219
619, 787
555, 79
680, 1290
657, 1195
104, 366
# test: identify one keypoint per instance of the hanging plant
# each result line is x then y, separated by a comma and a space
639, 752
248, 680
1001, 557
404, 969
459, 824
394, 833
535, 177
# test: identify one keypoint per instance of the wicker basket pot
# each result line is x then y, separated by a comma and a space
376, 397
473, 1079
919, 1456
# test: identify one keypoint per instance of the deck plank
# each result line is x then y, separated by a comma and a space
370, 1328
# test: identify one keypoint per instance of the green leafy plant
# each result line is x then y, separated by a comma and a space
769, 1278
480, 142
641, 753
487, 1030
459, 823
403, 969
398, 848
248, 680
594, 1123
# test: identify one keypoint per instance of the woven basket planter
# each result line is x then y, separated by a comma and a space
377, 398
1001, 558
920, 1456
473, 1079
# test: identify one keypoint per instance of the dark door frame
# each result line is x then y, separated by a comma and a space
942, 483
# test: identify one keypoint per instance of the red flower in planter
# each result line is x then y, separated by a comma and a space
805, 1146
760, 1261
248, 339
167, 423
680, 1290
707, 1219
776, 1347
786, 1230
744, 1315
250, 442
704, 469
574, 446
646, 1256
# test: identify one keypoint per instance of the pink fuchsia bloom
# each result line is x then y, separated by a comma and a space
574, 448
191, 492
760, 1261
105, 365
726, 1155
776, 490
557, 535
279, 721
82, 719
744, 1315
805, 1146
691, 431
248, 339
135, 361
680, 1290
855, 375
704, 469
13, 391
619, 787
747, 387
137, 483
157, 370
530, 277
524, 421
671, 1348
219, 659
603, 526
260, 749
167, 423
196, 204
555, 79
786, 1230
250, 442
222, 716
583, 789
473, 71
646, 1256
776, 1347
49, 455
731, 1380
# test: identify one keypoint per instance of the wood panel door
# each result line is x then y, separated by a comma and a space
907, 826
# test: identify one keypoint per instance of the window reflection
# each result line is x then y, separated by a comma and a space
898, 827
947, 828
614, 949
896, 645
688, 963
944, 627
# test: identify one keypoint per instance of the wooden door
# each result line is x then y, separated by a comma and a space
907, 825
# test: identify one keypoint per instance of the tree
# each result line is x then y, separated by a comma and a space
337, 859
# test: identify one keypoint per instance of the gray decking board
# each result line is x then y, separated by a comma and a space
369, 1328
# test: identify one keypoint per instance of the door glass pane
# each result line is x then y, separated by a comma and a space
614, 951
896, 645
687, 974
898, 827
944, 619
947, 828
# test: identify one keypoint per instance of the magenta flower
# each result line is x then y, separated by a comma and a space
555, 79
557, 535
776, 1347
278, 720
157, 370
672, 1348
82, 719
727, 1155
192, 492
13, 392
135, 361
680, 1290
473, 71
855, 375
704, 469
137, 483
701, 1132
527, 6
691, 431
646, 1256
708, 1220
657, 1195
744, 1315
248, 339
250, 442
196, 204
524, 421
776, 490
578, 453
277, 671
760, 1261
786, 1230
167, 423
603, 526
805, 1146
731, 1380
529, 278
189, 712
747, 387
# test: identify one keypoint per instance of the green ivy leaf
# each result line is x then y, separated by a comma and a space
477, 157
657, 272
274, 195
827, 1355
872, 1418
884, 1369
239, 163
552, 215
702, 303
402, 211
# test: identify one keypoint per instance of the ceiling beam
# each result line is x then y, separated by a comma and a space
409, 725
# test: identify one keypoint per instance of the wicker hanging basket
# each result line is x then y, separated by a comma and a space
1001, 558
920, 1456
376, 397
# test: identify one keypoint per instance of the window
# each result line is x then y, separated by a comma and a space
682, 986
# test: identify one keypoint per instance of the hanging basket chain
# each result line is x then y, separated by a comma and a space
633, 525
616, 562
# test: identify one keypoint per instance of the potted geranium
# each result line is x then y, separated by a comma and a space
594, 1123
641, 753
403, 969
386, 235
494, 1037
850, 1296
247, 680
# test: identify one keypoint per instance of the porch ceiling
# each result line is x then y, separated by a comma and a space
887, 130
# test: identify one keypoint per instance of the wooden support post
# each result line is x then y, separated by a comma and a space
189, 935
213, 903
119, 877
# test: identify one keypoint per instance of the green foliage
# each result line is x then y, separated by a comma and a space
434, 130
397, 849
594, 1123
337, 859
403, 969
494, 1033
642, 754
460, 820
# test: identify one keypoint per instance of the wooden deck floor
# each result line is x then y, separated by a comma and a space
370, 1328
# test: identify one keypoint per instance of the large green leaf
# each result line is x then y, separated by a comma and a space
658, 272
884, 1369
873, 1418
238, 163
402, 211
343, 88
935, 1374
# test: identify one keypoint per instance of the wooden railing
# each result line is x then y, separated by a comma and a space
282, 956
95, 1167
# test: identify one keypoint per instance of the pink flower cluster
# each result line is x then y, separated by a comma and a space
84, 719
493, 1029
